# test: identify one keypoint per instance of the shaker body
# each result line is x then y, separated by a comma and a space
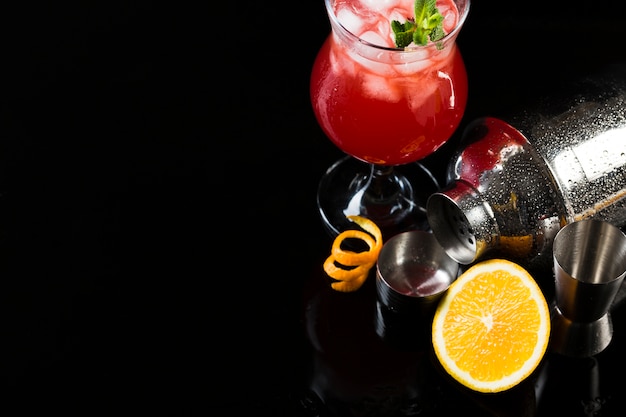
513, 184
585, 150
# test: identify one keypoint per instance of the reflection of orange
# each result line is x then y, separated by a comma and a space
519, 246
413, 145
373, 160
491, 328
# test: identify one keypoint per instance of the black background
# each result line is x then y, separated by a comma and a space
158, 168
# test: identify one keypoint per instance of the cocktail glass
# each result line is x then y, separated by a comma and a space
387, 108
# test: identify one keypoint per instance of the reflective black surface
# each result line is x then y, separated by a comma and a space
160, 249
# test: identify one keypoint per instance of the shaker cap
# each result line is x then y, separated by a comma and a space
462, 222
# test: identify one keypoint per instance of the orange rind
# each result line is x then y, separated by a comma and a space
348, 268
349, 258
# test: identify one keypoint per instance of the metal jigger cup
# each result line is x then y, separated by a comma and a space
413, 272
589, 268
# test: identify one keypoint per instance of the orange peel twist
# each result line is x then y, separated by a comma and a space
350, 269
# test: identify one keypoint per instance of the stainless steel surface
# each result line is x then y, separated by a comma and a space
413, 272
589, 269
579, 339
513, 185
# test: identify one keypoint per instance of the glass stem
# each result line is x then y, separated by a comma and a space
384, 185
387, 195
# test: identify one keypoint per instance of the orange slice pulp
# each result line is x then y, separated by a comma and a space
491, 329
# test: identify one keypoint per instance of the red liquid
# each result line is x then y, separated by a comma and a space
384, 113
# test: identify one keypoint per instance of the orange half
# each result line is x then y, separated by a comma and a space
491, 329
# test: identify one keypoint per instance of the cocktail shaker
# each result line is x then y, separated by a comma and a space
512, 185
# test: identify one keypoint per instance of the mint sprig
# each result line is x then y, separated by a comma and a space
427, 24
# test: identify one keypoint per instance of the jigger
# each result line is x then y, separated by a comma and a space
589, 268
413, 272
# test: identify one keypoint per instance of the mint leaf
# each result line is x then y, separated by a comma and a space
427, 24
403, 32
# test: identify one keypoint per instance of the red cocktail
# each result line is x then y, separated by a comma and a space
385, 105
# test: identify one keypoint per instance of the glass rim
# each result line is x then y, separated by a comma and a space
451, 35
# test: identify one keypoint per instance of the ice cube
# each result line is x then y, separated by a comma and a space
340, 64
412, 68
364, 64
380, 5
374, 38
398, 14
449, 22
350, 20
417, 97
380, 88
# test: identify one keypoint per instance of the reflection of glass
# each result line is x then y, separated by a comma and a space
355, 373
387, 107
